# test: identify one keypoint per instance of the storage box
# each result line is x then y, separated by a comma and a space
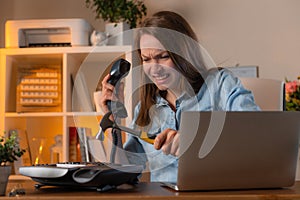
39, 89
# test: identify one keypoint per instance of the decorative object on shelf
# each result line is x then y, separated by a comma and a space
10, 151
98, 38
117, 34
56, 150
38, 150
292, 95
121, 15
39, 89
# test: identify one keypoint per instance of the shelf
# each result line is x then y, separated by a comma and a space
67, 50
82, 69
52, 114
35, 114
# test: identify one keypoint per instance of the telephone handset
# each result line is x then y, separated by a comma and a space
119, 70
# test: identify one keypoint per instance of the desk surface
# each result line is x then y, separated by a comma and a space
146, 191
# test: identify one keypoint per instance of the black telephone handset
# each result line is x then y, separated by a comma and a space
119, 70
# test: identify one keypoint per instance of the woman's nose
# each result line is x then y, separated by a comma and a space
156, 67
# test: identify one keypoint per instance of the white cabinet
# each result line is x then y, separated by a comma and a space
89, 63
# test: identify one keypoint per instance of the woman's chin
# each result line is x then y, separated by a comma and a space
162, 87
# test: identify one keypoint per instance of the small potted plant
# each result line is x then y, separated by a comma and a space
120, 15
10, 151
115, 11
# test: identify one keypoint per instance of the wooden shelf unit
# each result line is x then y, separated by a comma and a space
89, 63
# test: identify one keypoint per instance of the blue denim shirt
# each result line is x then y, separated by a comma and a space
221, 91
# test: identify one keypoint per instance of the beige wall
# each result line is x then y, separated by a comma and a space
245, 32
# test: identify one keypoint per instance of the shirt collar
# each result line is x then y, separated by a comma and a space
160, 101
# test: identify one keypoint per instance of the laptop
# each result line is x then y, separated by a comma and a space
237, 150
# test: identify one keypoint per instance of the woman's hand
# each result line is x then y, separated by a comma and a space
108, 93
168, 142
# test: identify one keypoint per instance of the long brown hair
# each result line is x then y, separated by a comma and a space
178, 38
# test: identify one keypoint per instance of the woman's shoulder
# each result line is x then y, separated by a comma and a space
219, 70
221, 76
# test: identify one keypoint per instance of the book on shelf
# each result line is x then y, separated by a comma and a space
74, 146
84, 134
24, 160
79, 145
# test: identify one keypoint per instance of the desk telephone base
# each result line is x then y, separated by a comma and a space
99, 176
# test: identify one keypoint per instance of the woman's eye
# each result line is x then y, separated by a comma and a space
145, 59
164, 56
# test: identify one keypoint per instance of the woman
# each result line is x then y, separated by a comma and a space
175, 78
